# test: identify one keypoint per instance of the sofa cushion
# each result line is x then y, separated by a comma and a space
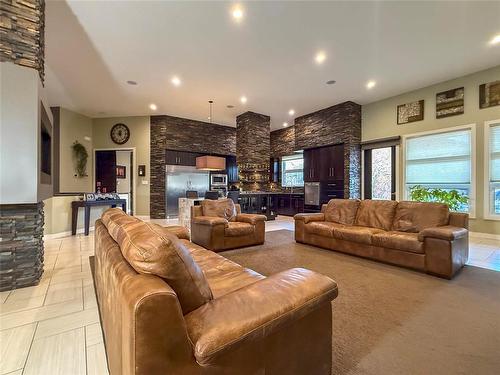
234, 229
356, 234
417, 216
224, 208
223, 275
322, 228
342, 211
399, 241
152, 250
376, 214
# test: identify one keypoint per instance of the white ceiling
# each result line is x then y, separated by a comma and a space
94, 47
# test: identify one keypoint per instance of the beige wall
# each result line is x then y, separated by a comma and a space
379, 121
57, 211
139, 138
74, 127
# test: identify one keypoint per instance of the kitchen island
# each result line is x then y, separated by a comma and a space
271, 203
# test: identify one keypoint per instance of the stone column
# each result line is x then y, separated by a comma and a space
253, 150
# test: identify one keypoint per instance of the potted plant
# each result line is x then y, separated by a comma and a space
453, 198
80, 156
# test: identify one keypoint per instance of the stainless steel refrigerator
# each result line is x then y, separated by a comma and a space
179, 180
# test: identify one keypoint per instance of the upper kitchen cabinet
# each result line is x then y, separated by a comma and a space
332, 163
231, 169
312, 163
181, 158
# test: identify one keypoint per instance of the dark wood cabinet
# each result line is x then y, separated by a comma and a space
274, 170
181, 158
312, 162
231, 169
332, 163
290, 204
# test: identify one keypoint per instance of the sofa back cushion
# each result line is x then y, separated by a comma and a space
376, 214
342, 211
150, 249
416, 216
224, 208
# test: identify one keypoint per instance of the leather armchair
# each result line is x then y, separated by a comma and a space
216, 229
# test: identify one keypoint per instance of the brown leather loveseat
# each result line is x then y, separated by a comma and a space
169, 306
423, 236
219, 225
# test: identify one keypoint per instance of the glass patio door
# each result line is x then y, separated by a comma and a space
379, 170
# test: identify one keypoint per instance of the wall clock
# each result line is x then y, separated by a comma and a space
120, 133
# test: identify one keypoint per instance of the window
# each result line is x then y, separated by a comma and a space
492, 169
441, 160
292, 171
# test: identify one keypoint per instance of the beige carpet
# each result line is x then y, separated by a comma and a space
390, 320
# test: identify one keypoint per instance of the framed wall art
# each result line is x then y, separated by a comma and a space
410, 112
450, 103
121, 171
489, 94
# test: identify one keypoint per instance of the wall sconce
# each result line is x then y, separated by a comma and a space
142, 171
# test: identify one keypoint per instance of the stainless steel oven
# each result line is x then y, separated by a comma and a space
218, 180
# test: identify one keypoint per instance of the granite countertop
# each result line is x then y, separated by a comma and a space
269, 192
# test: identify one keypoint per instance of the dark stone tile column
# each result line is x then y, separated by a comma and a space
253, 150
21, 245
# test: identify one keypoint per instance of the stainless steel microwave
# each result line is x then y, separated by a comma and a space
218, 180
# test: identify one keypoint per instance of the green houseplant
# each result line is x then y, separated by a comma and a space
453, 198
80, 156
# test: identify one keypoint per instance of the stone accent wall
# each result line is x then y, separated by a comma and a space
22, 25
283, 142
21, 250
175, 133
253, 150
337, 124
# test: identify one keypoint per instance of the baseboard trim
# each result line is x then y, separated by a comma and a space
489, 236
53, 236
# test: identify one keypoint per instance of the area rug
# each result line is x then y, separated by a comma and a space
391, 320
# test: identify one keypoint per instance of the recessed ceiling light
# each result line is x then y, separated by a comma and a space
495, 40
229, 106
243, 99
331, 82
133, 83
320, 57
237, 13
285, 124
153, 107
176, 81
370, 84
291, 112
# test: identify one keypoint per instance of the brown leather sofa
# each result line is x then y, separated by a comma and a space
169, 306
219, 225
423, 236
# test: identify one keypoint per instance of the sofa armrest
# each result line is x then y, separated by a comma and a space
209, 220
256, 310
447, 232
250, 218
307, 218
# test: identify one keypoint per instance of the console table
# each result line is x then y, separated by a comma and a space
75, 205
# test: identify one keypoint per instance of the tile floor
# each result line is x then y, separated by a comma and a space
53, 328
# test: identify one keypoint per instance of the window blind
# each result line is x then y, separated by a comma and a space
442, 158
495, 153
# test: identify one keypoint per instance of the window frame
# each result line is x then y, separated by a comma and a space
487, 215
472, 128
282, 171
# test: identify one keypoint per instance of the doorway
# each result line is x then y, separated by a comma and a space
113, 173
379, 173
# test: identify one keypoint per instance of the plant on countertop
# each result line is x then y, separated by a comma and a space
80, 157
453, 198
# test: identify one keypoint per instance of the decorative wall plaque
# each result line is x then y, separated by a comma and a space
489, 94
410, 112
450, 103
